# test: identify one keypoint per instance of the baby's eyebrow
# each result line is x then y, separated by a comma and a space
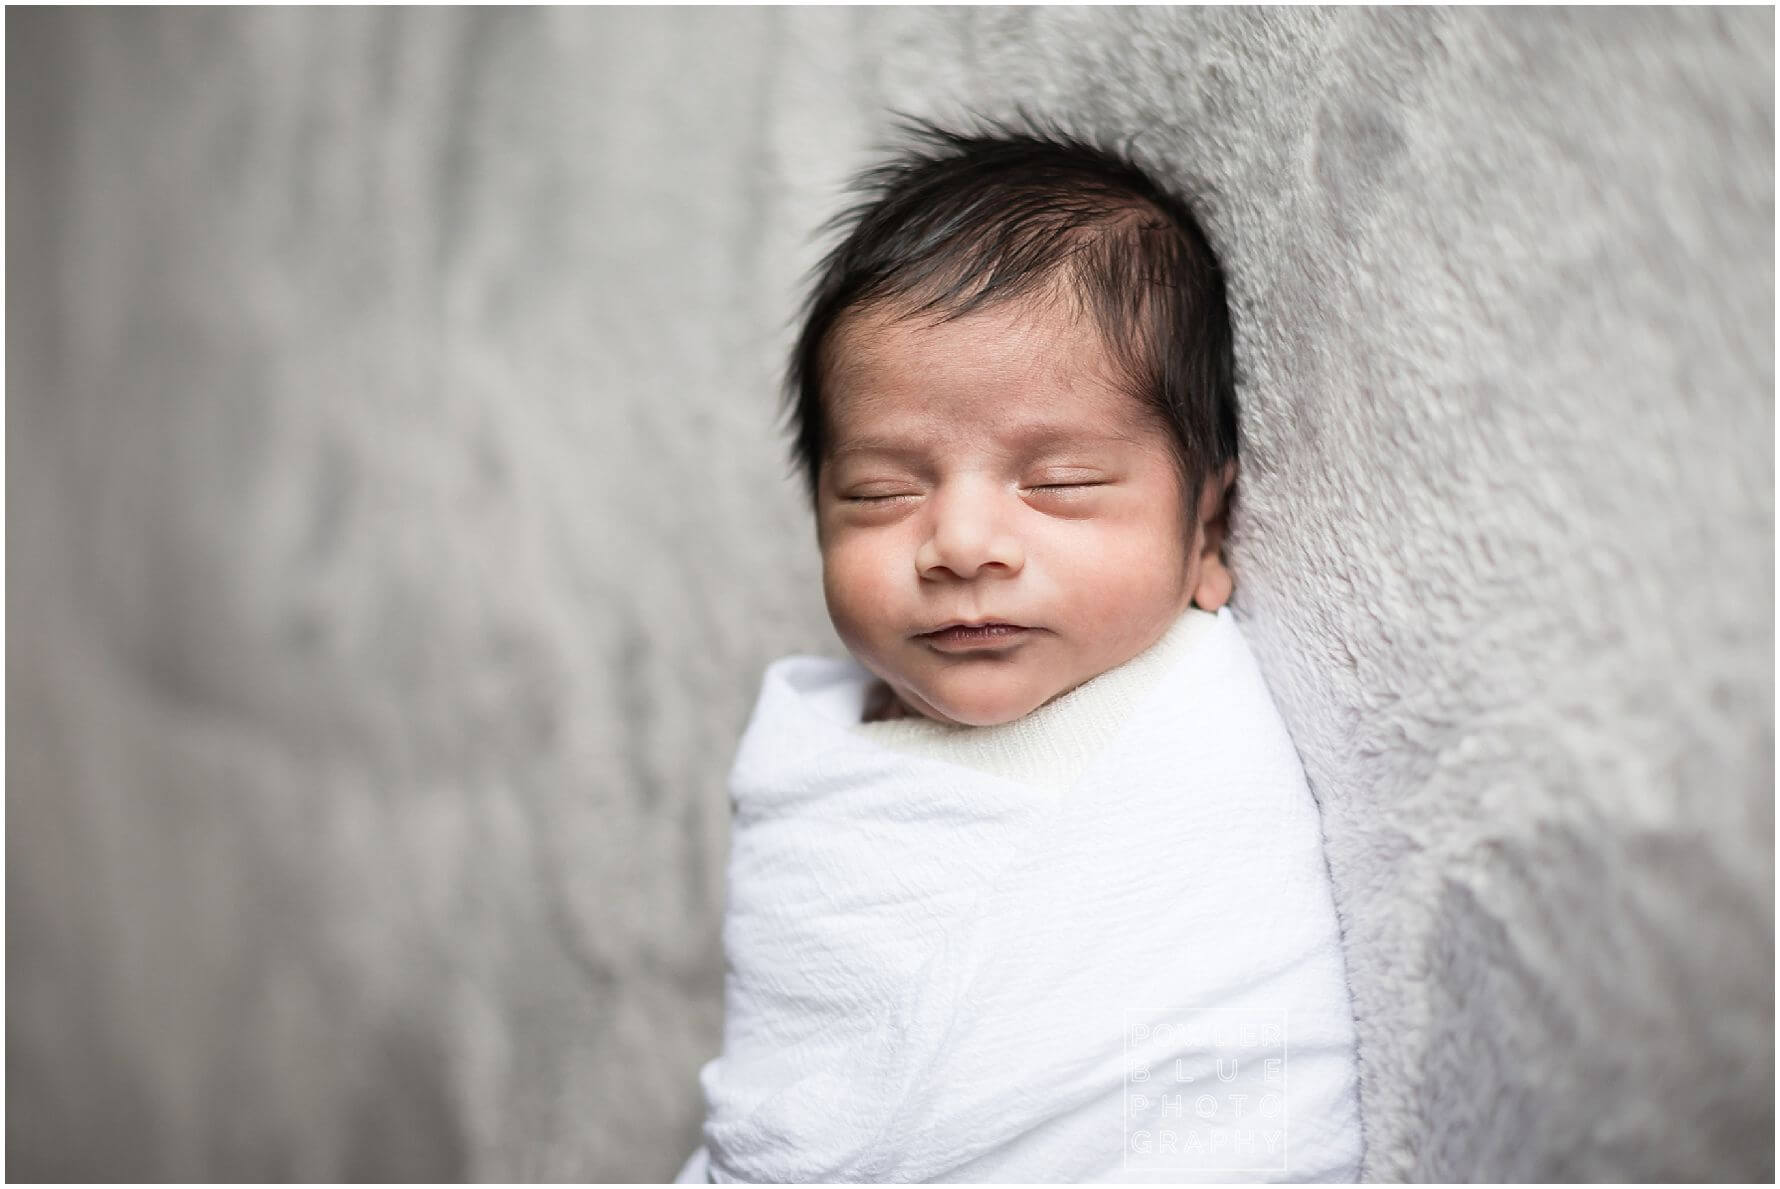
884, 446
1031, 437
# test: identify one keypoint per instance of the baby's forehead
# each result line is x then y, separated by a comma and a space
996, 365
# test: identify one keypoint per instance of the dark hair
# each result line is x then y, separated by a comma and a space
958, 220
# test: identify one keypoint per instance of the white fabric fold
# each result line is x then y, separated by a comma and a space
1098, 944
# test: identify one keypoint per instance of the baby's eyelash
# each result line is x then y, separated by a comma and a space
878, 499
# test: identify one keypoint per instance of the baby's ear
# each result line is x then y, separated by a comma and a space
1214, 504
1214, 583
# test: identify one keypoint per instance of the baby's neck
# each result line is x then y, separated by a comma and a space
882, 704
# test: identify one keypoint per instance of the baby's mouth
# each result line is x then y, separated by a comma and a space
969, 638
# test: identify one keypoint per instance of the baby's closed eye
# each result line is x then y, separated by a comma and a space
1076, 485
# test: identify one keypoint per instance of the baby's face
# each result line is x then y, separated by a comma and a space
1016, 484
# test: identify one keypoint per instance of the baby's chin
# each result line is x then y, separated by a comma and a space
980, 702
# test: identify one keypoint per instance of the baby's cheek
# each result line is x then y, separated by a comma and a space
1119, 580
1113, 557
858, 582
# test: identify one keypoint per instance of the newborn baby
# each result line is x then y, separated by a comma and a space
1030, 887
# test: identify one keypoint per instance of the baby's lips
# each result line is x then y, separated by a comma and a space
965, 623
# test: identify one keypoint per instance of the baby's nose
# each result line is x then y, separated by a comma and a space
970, 532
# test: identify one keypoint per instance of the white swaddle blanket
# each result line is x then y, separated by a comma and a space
1096, 944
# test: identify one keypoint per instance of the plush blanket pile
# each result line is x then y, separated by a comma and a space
401, 528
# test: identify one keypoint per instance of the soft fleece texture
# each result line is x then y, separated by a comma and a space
399, 533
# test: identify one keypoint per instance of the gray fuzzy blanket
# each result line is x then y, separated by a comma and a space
399, 531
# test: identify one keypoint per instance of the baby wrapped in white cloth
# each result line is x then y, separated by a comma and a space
1096, 943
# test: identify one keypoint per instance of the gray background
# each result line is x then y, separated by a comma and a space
398, 529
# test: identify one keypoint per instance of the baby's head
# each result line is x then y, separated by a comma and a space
1013, 400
